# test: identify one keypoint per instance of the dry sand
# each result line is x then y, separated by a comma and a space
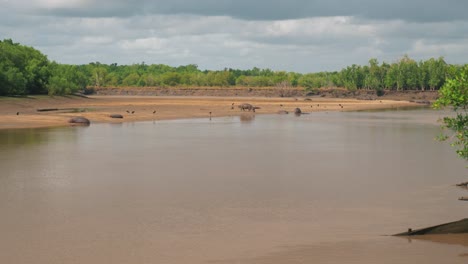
98, 108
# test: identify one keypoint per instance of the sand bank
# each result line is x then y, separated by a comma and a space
22, 112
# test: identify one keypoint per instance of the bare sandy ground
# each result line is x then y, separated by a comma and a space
22, 112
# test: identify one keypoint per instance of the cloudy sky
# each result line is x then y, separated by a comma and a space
291, 35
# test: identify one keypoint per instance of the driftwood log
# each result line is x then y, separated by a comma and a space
47, 109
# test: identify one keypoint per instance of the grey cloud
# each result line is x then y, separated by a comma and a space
414, 10
215, 42
441, 30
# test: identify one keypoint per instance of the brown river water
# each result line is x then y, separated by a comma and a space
319, 188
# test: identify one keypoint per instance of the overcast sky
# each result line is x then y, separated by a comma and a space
291, 35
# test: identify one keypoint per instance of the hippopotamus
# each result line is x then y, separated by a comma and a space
116, 116
79, 121
297, 111
248, 107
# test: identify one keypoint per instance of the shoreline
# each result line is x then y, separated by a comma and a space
18, 113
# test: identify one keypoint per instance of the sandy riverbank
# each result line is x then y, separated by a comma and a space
98, 108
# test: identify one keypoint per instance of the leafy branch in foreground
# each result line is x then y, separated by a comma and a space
454, 93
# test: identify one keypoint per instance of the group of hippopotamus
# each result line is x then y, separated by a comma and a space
249, 107
243, 107
79, 120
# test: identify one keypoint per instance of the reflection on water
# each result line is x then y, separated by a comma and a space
25, 137
247, 118
427, 108
322, 188
380, 250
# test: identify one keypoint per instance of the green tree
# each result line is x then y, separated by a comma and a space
65, 79
170, 78
423, 75
12, 81
24, 69
455, 94
373, 78
436, 71
131, 80
37, 72
99, 74
353, 77
113, 79
410, 71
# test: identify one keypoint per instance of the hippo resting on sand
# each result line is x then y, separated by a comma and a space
248, 107
116, 116
79, 121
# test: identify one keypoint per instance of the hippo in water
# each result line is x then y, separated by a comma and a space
248, 107
79, 121
297, 111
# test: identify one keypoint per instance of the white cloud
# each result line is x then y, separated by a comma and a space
215, 42
427, 49
88, 40
60, 3
145, 44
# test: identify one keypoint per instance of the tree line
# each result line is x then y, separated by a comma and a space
25, 70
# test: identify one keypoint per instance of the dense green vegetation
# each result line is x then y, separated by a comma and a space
455, 94
24, 70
